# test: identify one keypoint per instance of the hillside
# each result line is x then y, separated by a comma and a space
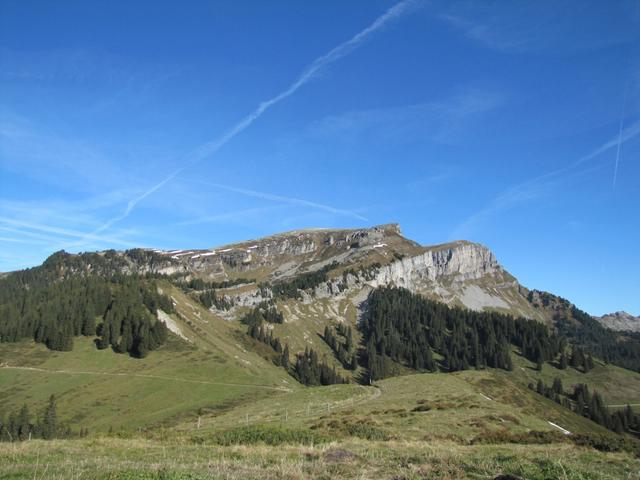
360, 337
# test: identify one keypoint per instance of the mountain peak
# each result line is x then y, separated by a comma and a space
621, 321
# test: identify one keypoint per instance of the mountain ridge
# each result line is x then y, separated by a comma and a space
620, 321
460, 272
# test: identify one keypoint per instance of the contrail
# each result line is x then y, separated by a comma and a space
318, 64
530, 189
620, 141
38, 227
289, 200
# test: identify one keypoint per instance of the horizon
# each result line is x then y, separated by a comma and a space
514, 126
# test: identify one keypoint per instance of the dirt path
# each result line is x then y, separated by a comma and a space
141, 375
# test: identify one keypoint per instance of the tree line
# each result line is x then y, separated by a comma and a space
622, 349
130, 323
341, 342
209, 299
307, 369
263, 312
56, 302
21, 425
590, 405
400, 327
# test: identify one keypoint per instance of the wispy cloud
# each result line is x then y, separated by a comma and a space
63, 232
541, 185
521, 27
210, 148
440, 121
287, 200
20, 240
422, 183
484, 34
31, 150
226, 216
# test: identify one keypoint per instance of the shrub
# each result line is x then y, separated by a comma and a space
269, 435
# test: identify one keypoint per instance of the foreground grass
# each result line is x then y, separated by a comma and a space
110, 458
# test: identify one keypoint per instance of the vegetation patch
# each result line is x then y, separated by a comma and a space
349, 426
264, 434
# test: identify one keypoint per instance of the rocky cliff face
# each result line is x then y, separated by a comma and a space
462, 273
621, 321
455, 263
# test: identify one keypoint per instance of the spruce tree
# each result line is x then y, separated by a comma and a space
23, 423
49, 425
563, 361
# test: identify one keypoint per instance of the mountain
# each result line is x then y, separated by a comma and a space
621, 321
457, 273
355, 336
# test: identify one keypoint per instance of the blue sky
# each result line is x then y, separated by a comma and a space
192, 124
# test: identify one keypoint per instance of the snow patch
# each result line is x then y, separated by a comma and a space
185, 253
379, 245
208, 254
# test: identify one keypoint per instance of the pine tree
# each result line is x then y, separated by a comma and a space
588, 364
563, 361
49, 424
557, 386
284, 359
23, 423
88, 320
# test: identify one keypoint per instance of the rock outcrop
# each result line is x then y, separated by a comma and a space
621, 321
454, 263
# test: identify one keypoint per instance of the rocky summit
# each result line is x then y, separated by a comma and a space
621, 321
459, 273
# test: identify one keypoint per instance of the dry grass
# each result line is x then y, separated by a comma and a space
110, 458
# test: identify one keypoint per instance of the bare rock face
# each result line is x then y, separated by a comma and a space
621, 321
457, 263
461, 272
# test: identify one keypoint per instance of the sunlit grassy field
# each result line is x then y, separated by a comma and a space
112, 458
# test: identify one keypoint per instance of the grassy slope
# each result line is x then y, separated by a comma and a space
99, 389
459, 406
123, 392
616, 385
145, 459
189, 377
